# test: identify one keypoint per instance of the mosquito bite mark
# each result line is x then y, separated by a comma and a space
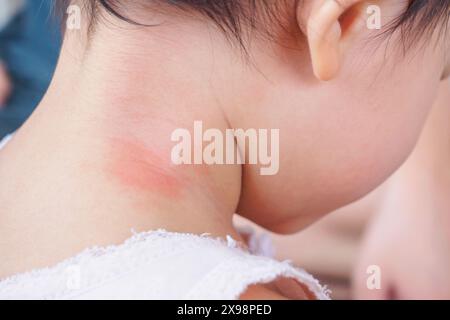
136, 166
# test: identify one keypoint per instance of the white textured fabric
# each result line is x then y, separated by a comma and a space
159, 265
259, 243
5, 140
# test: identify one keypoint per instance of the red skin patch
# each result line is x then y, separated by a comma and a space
136, 166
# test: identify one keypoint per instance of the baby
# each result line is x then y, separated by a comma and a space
344, 90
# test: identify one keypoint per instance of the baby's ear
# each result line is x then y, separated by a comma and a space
329, 26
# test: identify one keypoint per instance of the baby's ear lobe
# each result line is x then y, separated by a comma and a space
328, 26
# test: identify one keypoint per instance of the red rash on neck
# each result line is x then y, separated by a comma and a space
136, 166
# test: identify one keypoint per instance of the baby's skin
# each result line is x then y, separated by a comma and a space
402, 227
350, 107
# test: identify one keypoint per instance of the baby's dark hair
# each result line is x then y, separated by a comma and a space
421, 18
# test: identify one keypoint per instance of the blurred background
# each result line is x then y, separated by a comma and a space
403, 227
29, 46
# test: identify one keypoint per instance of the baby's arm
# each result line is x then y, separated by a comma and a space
409, 238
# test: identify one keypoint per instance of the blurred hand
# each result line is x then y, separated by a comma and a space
5, 85
409, 241
409, 238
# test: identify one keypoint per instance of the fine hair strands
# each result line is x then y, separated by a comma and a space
236, 18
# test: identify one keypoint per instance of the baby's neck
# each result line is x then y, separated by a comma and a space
94, 162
